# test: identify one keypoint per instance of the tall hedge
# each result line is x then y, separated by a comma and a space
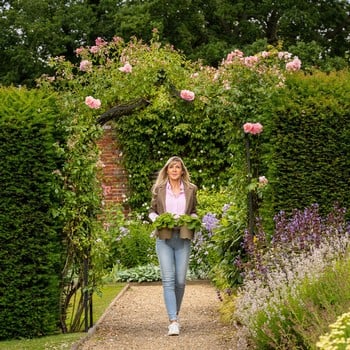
309, 140
31, 249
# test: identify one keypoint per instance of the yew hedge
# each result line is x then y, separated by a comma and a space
308, 143
31, 244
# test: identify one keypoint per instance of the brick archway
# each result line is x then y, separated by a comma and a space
114, 176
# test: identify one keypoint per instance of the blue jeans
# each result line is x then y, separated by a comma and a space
173, 255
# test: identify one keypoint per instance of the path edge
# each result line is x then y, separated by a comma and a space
94, 328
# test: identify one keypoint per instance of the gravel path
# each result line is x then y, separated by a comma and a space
137, 319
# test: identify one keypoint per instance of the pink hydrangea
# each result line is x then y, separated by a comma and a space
252, 128
85, 65
187, 95
127, 68
92, 102
294, 65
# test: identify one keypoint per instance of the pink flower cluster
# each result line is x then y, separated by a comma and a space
294, 65
85, 65
234, 54
127, 68
92, 102
99, 42
250, 60
284, 55
252, 128
187, 95
238, 56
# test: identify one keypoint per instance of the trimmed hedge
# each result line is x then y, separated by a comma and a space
309, 141
31, 249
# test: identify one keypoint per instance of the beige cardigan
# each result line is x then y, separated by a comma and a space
158, 207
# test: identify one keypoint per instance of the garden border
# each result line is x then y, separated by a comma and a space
93, 329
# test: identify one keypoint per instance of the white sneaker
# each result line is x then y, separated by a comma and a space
174, 328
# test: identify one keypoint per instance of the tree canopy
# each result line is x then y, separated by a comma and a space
32, 32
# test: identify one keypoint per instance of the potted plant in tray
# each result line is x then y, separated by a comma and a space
163, 224
188, 225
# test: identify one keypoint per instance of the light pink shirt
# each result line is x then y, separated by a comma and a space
175, 203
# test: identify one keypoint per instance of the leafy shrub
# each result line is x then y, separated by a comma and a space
129, 241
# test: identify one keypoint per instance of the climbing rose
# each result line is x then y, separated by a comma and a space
127, 68
79, 50
187, 95
263, 180
100, 42
94, 49
92, 102
294, 65
284, 55
250, 60
252, 128
85, 65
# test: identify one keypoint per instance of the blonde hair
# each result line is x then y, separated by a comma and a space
162, 177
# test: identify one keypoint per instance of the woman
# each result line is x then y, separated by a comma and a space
173, 193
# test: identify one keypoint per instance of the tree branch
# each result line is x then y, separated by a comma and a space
123, 109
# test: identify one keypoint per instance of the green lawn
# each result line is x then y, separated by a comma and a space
65, 341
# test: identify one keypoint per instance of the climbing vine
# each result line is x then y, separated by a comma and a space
161, 105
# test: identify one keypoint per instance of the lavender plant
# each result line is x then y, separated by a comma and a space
293, 281
301, 232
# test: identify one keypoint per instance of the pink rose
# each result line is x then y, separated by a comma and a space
117, 39
94, 49
100, 42
79, 50
85, 65
263, 180
250, 60
284, 55
92, 102
127, 68
187, 95
232, 56
294, 65
252, 128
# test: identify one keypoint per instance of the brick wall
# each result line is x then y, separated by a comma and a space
114, 176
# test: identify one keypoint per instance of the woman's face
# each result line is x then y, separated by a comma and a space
174, 170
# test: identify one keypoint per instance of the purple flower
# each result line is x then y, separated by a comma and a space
210, 222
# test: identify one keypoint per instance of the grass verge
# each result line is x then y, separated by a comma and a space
65, 341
